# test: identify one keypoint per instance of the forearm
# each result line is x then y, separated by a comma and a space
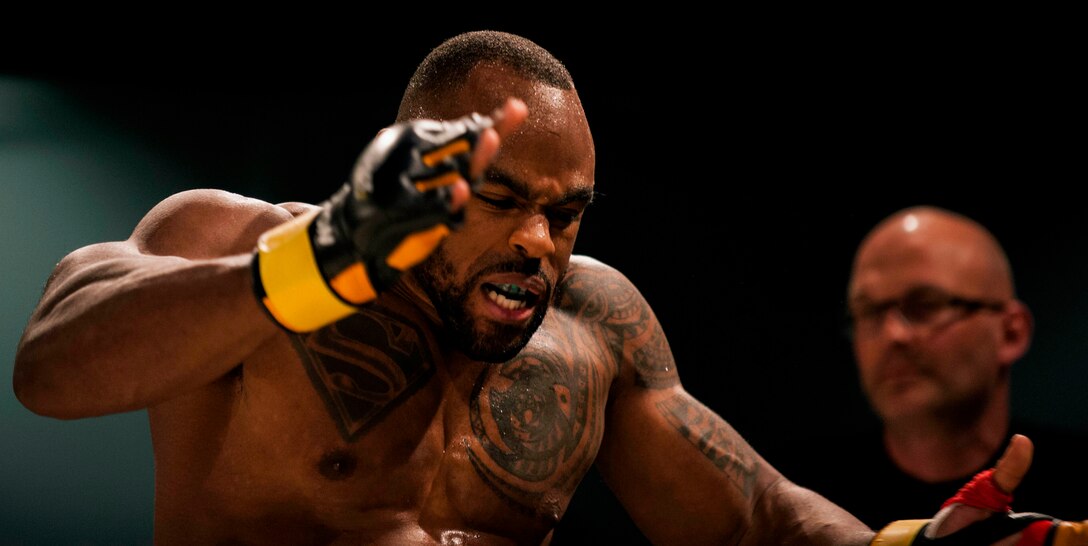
136, 331
786, 513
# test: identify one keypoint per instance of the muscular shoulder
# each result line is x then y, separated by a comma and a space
584, 269
595, 289
207, 223
596, 293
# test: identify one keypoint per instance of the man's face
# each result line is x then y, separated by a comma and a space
924, 346
493, 279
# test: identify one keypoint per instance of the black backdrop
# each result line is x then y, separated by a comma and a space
739, 166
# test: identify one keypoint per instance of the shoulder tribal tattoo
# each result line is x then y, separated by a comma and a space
536, 424
627, 322
364, 366
714, 438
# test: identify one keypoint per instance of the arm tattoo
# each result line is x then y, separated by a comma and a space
654, 362
714, 438
536, 424
364, 366
627, 323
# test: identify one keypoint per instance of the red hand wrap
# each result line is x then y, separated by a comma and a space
982, 492
1035, 534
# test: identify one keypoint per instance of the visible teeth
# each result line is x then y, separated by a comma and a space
512, 289
504, 302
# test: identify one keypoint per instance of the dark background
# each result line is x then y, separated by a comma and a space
740, 161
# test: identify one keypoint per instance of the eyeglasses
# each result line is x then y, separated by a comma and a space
925, 309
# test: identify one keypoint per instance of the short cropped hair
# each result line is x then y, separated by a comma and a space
446, 67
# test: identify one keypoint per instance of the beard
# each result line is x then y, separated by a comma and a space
479, 338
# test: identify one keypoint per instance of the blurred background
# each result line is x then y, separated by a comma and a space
739, 165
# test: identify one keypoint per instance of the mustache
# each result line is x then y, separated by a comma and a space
899, 362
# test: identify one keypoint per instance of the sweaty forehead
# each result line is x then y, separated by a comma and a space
551, 110
553, 143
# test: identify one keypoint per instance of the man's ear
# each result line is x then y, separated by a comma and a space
1017, 326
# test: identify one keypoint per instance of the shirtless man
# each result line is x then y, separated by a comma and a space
366, 397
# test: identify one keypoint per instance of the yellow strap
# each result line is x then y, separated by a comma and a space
297, 295
899, 533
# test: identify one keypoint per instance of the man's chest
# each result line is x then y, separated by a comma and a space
382, 418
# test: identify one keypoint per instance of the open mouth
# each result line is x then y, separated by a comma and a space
511, 297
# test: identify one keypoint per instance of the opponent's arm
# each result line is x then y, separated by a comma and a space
981, 513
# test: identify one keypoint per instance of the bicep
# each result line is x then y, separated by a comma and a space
683, 473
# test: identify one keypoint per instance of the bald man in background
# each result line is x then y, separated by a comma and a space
936, 327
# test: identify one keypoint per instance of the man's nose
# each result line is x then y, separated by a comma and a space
532, 238
894, 325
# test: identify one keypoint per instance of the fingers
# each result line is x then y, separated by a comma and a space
511, 114
507, 118
459, 194
1014, 463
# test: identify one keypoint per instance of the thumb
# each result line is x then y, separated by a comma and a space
1007, 475
1014, 463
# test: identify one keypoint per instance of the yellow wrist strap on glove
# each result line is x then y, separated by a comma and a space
290, 285
899, 533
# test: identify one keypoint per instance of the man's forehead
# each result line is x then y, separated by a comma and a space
892, 270
489, 84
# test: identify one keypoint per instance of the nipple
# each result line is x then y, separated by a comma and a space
337, 465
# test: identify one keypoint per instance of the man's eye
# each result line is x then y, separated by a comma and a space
563, 216
922, 309
499, 203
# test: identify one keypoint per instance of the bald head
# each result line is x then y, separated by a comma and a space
938, 247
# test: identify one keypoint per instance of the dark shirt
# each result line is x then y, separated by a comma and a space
856, 473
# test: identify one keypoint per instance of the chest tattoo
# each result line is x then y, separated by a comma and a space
535, 427
364, 366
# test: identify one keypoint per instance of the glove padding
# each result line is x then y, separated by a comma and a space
983, 493
395, 210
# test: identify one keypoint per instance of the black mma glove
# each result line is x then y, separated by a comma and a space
319, 267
